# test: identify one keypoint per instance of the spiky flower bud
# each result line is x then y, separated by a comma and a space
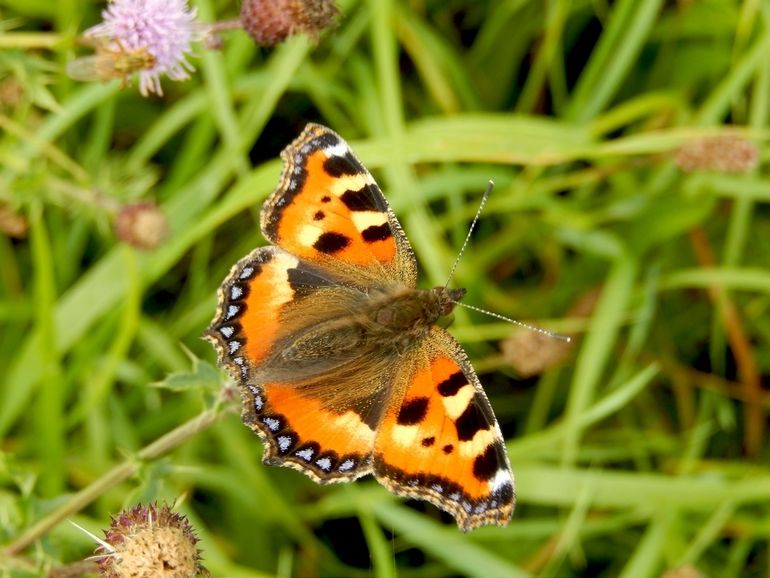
149, 542
683, 572
12, 223
269, 22
142, 225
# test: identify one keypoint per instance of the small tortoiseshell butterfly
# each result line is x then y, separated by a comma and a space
343, 369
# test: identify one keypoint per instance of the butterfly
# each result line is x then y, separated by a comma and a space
342, 368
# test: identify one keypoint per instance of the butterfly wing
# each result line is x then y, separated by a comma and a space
335, 237
418, 420
440, 441
316, 415
329, 211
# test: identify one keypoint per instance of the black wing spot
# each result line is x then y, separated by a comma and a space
413, 411
361, 200
319, 216
326, 199
486, 465
427, 442
331, 243
448, 449
336, 166
377, 233
452, 384
325, 140
472, 420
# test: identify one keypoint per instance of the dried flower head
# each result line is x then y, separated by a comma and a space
163, 28
531, 353
150, 542
269, 22
142, 225
12, 93
727, 154
12, 223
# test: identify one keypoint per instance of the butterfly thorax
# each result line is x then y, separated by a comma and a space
403, 311
395, 317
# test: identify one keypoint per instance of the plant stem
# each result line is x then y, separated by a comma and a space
116, 475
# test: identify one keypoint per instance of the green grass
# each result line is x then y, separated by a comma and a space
644, 450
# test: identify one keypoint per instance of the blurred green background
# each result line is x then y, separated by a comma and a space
627, 141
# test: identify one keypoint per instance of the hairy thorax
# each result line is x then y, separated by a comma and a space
407, 311
388, 320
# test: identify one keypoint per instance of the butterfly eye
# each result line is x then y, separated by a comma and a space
456, 294
448, 298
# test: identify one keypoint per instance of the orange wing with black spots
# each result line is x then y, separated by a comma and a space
329, 211
441, 441
267, 300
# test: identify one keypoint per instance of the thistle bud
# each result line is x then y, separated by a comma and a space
12, 223
269, 22
147, 542
683, 572
531, 353
142, 225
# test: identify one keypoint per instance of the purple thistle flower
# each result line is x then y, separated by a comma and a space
164, 28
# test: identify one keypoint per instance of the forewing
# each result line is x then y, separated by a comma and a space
318, 416
253, 301
329, 211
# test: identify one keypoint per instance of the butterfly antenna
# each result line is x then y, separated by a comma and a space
490, 186
539, 330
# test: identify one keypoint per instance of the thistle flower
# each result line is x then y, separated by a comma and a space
163, 29
150, 541
269, 22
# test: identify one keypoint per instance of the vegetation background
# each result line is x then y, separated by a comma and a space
627, 140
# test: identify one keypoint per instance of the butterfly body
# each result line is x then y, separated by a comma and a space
388, 321
344, 370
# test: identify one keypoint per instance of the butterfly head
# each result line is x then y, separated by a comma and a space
447, 299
